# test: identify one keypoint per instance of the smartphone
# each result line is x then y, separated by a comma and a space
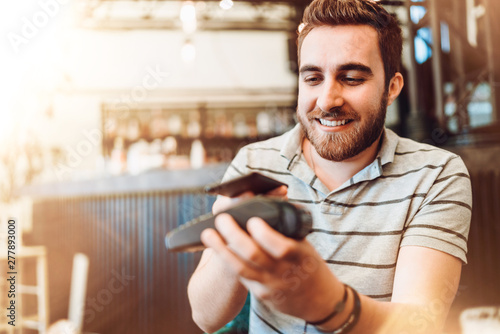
254, 182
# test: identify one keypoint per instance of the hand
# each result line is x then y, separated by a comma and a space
222, 203
287, 275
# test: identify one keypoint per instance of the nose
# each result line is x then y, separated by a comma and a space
330, 96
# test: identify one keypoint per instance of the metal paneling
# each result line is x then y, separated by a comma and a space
135, 285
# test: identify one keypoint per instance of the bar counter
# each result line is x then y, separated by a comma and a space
155, 180
135, 285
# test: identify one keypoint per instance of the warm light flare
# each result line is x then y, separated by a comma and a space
188, 52
226, 4
188, 17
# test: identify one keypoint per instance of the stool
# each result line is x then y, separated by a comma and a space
39, 320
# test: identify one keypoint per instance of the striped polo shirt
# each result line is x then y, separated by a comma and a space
411, 194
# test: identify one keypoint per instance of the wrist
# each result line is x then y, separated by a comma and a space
321, 305
344, 321
337, 309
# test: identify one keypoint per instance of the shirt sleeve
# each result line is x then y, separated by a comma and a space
443, 220
238, 166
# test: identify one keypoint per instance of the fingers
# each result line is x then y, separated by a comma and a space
237, 248
212, 239
223, 203
270, 240
245, 195
280, 192
236, 238
241, 243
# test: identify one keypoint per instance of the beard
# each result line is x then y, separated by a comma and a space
344, 145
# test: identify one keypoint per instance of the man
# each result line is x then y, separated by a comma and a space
391, 216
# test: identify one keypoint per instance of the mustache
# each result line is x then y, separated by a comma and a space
333, 113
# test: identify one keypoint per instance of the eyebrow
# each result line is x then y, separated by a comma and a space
342, 68
309, 68
355, 67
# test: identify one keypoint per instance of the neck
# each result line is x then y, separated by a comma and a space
332, 173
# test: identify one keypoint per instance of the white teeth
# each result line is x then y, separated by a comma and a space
332, 123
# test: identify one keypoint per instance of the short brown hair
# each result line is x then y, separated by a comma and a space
358, 12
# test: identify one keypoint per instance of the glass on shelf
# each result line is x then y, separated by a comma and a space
264, 124
111, 127
136, 157
209, 130
158, 126
122, 128
194, 126
240, 128
169, 146
252, 129
175, 124
223, 127
133, 129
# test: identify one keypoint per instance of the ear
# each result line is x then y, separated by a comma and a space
395, 86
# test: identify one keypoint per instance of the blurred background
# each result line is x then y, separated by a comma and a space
114, 114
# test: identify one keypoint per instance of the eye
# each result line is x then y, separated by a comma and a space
353, 81
313, 80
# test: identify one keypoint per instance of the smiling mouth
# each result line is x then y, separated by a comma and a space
333, 123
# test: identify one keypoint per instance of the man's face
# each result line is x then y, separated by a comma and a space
342, 98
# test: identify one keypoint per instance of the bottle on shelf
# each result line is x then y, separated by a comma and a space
198, 154
118, 164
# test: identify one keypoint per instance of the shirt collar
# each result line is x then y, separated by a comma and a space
387, 150
293, 143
